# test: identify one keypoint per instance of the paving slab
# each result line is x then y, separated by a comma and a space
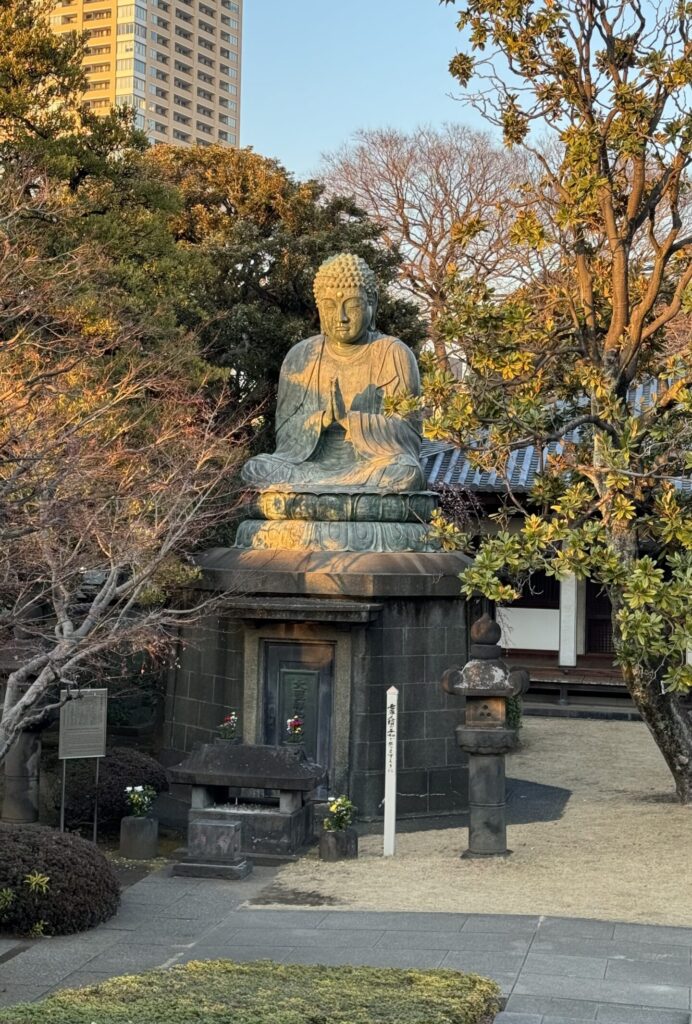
639, 1015
551, 970
421, 959
568, 966
676, 997
11, 993
576, 928
578, 1009
646, 971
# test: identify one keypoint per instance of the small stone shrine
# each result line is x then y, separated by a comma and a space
336, 587
246, 802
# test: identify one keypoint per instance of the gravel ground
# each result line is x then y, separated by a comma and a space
620, 851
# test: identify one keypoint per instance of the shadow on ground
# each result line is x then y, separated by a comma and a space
526, 802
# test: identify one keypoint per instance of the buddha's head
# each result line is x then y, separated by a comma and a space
346, 294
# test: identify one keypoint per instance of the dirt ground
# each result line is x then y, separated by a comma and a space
620, 850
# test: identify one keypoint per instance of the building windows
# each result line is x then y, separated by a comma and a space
204, 110
182, 102
206, 27
93, 51
204, 77
231, 22
132, 11
205, 60
205, 94
179, 66
185, 50
103, 84
227, 104
209, 11
202, 127
180, 136
227, 137
161, 22
97, 15
230, 6
183, 32
160, 93
230, 121
225, 70
131, 29
228, 38
94, 69
161, 40
205, 43
183, 15
161, 75
162, 58
181, 118
97, 33
180, 84
98, 104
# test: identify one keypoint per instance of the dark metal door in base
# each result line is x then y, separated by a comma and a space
298, 681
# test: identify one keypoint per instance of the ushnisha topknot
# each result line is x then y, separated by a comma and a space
345, 271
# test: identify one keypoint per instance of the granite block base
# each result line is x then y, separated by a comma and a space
197, 869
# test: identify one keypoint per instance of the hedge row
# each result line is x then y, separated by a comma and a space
222, 992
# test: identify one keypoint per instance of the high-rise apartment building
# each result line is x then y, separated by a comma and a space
177, 62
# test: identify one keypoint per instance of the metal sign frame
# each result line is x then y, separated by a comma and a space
83, 723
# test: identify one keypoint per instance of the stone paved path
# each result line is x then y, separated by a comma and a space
553, 971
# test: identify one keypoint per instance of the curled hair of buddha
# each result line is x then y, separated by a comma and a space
345, 271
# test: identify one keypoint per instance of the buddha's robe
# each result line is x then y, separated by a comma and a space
319, 384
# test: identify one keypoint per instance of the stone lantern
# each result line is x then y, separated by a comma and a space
486, 681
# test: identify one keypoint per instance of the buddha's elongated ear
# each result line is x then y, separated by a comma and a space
372, 299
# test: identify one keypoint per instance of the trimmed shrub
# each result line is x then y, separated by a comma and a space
222, 992
52, 883
121, 767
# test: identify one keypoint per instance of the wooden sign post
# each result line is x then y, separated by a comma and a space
390, 772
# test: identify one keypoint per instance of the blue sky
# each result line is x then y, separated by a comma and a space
314, 71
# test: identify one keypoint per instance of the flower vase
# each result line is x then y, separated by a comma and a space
139, 837
338, 845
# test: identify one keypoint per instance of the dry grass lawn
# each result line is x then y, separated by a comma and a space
621, 850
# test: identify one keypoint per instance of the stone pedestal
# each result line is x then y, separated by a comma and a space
485, 683
339, 519
139, 838
387, 618
341, 845
213, 849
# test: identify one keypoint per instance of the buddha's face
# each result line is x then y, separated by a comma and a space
345, 314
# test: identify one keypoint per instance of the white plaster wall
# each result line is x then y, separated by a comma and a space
532, 629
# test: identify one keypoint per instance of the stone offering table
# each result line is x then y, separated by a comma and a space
231, 819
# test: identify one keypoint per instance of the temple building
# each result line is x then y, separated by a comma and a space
177, 62
560, 630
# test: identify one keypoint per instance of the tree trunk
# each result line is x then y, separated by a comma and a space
665, 715
439, 345
670, 724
